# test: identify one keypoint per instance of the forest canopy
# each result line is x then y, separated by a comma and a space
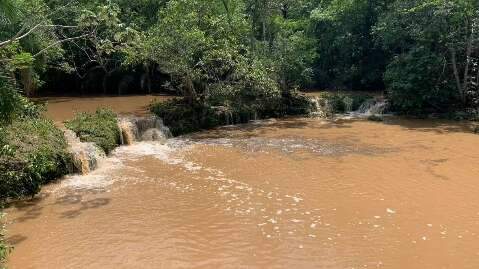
423, 54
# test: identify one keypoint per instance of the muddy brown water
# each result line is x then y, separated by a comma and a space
292, 193
61, 109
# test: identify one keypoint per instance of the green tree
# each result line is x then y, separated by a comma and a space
204, 46
348, 57
436, 40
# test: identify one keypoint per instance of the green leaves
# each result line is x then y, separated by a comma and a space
100, 127
40, 156
428, 41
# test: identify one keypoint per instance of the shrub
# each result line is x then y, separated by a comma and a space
182, 117
295, 103
100, 128
32, 152
415, 85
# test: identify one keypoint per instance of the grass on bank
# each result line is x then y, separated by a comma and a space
32, 153
100, 128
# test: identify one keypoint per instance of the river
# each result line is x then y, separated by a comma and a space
289, 193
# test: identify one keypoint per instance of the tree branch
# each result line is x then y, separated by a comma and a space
59, 42
20, 36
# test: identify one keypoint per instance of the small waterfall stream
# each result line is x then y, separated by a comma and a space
372, 107
86, 156
143, 129
322, 108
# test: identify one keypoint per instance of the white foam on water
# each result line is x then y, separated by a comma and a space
108, 169
98, 179
236, 194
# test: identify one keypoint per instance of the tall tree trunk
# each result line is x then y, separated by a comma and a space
105, 81
264, 30
465, 85
189, 89
146, 79
28, 82
456, 74
284, 10
150, 74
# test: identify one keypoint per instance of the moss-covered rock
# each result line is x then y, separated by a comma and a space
100, 128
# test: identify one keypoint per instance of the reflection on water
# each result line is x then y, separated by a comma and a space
303, 193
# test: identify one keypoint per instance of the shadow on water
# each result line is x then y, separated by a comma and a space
32, 208
84, 206
431, 125
16, 239
68, 98
262, 127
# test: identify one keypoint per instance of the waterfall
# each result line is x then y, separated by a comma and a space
372, 107
86, 156
143, 129
129, 131
320, 107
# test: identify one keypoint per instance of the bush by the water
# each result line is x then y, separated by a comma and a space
32, 153
184, 117
100, 128
411, 90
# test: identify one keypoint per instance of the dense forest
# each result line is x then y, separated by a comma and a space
424, 54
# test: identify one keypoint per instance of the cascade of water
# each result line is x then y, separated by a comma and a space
143, 129
320, 107
129, 131
372, 107
86, 156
